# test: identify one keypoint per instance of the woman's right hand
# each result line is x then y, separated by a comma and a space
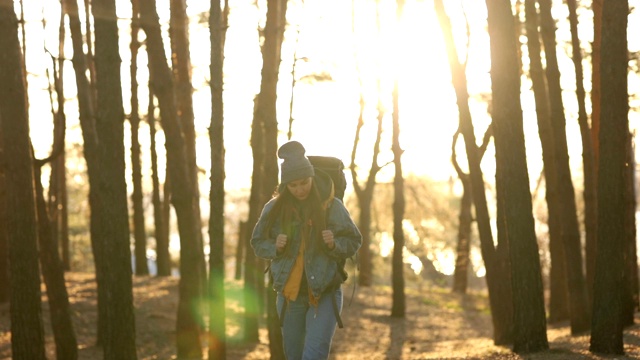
281, 242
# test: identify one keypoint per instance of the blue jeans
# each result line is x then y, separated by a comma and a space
307, 331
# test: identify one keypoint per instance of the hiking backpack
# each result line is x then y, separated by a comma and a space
333, 167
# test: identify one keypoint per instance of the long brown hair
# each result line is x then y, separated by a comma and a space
285, 206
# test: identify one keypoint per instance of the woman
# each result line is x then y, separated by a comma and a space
304, 231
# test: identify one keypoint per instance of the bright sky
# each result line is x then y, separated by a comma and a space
326, 112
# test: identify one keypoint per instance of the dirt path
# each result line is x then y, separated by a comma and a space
438, 325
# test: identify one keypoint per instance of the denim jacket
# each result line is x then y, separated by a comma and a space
319, 262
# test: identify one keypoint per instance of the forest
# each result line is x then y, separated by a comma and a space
489, 149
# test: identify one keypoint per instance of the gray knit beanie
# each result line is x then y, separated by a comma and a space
295, 165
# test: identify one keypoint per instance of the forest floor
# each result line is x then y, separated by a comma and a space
438, 325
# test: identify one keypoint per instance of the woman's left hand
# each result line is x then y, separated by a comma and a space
327, 237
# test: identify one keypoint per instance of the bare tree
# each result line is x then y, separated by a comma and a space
183, 196
27, 331
183, 88
578, 304
607, 325
264, 138
512, 182
217, 317
558, 293
495, 257
139, 233
588, 157
163, 258
591, 241
50, 263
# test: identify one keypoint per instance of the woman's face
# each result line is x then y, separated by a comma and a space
300, 188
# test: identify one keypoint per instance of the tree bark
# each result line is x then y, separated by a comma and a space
163, 258
630, 295
588, 159
607, 325
578, 304
558, 299
27, 330
512, 182
4, 240
181, 63
53, 275
86, 106
139, 231
188, 326
110, 216
398, 307
217, 317
591, 241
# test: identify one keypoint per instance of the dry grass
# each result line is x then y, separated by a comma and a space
438, 325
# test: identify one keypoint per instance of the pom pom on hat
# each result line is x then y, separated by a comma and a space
295, 165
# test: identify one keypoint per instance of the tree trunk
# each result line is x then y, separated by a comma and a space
398, 307
365, 196
578, 305
588, 161
252, 270
27, 331
240, 248
461, 272
188, 326
180, 59
591, 241
495, 258
630, 295
558, 299
110, 216
607, 326
163, 258
139, 233
217, 317
512, 183
265, 175
4, 240
57, 202
86, 105
53, 275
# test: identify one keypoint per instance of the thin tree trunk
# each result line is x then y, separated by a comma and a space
588, 160
139, 233
558, 300
512, 183
398, 307
365, 199
188, 322
52, 267
27, 331
181, 63
578, 304
240, 248
53, 275
4, 240
86, 105
630, 295
217, 317
591, 241
57, 197
163, 258
609, 281
495, 258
